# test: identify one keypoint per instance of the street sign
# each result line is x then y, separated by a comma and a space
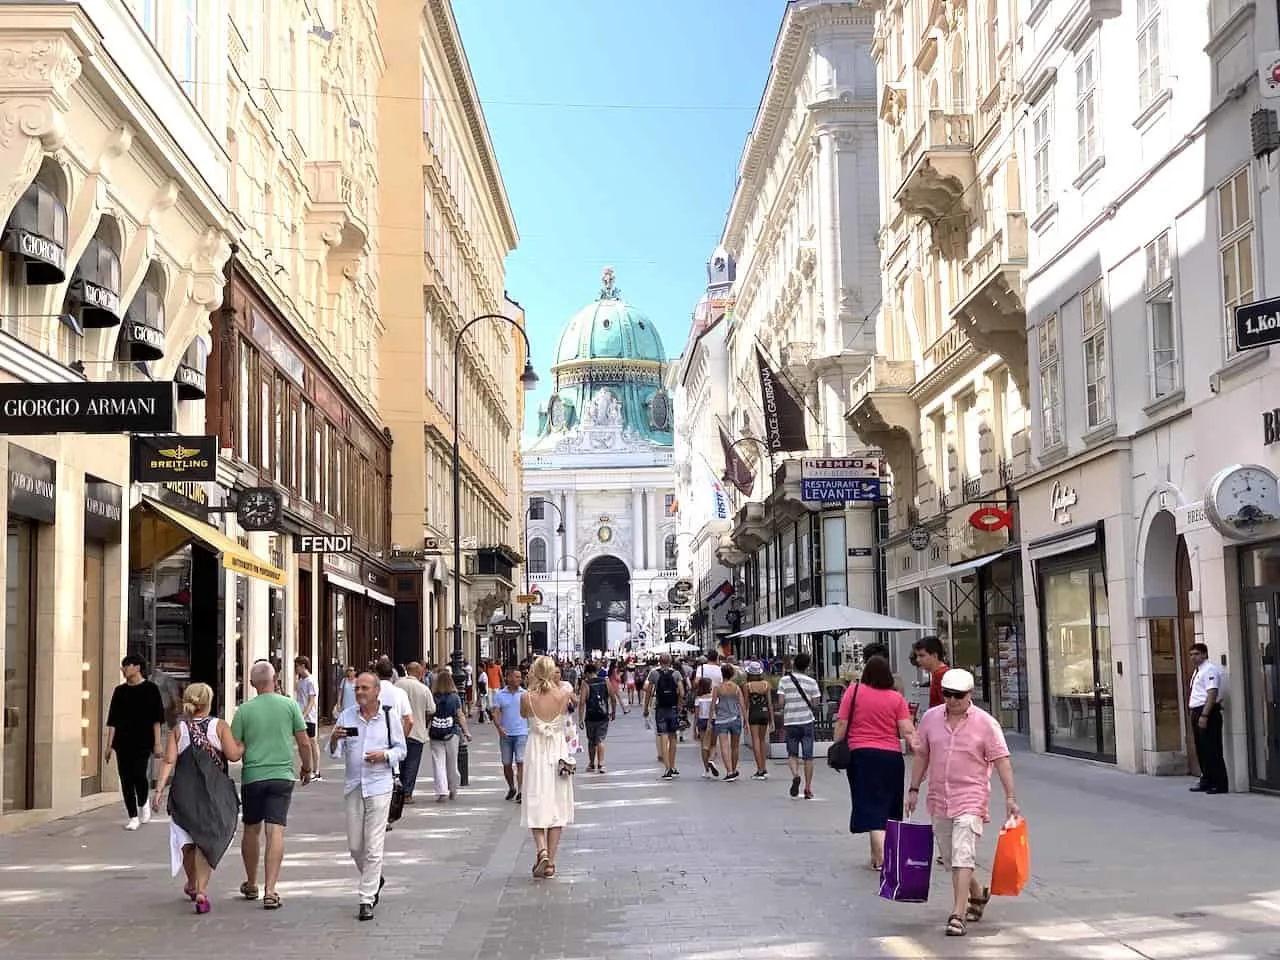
528, 599
1258, 324
506, 628
839, 479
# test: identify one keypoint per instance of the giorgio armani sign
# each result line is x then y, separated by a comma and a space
29, 409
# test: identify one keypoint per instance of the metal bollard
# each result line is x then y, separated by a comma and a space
464, 774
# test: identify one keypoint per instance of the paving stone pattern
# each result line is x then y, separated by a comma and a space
1124, 867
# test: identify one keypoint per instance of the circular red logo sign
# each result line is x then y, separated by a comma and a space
990, 519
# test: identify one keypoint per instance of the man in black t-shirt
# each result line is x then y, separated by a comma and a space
134, 721
665, 685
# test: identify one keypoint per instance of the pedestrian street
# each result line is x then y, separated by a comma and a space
1123, 867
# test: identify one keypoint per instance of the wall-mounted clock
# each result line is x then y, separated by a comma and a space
259, 508
1242, 502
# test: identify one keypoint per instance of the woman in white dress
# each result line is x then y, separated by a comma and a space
213, 735
548, 788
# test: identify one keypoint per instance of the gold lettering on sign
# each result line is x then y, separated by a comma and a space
189, 489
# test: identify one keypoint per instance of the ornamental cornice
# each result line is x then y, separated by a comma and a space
447, 34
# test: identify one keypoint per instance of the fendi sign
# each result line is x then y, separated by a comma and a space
322, 543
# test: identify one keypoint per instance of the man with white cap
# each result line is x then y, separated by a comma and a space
961, 743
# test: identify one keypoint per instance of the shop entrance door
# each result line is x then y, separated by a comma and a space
1261, 618
1077, 662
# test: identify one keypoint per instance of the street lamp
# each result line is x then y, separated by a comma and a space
528, 380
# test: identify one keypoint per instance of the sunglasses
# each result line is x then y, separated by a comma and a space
954, 694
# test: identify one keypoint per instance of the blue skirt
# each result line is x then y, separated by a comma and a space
876, 780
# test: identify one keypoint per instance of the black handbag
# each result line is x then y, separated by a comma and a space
838, 752
396, 810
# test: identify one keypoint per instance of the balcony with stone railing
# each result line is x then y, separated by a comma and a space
884, 414
338, 200
991, 310
937, 166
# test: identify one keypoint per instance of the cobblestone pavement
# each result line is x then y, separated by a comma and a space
1124, 867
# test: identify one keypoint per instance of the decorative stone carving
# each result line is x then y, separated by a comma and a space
51, 63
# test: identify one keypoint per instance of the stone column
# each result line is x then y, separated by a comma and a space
656, 501
828, 224
637, 529
570, 508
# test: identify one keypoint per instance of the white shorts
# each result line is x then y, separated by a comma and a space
957, 839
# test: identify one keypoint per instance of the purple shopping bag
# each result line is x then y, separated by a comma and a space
908, 861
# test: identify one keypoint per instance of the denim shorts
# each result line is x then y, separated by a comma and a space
800, 741
731, 727
513, 749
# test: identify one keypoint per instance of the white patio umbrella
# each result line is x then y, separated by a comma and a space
831, 618
680, 646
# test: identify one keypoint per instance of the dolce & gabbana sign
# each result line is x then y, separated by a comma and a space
36, 409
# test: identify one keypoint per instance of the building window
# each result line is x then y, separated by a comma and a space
969, 423
537, 555
304, 464
1093, 322
189, 68
536, 508
1150, 75
1051, 412
1220, 11
1087, 137
1163, 334
1235, 244
265, 434
669, 508
938, 423
1042, 156
246, 421
426, 106
669, 553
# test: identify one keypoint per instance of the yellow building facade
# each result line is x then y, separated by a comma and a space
444, 240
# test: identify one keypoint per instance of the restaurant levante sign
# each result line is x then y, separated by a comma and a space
36, 409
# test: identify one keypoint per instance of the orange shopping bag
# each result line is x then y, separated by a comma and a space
1012, 865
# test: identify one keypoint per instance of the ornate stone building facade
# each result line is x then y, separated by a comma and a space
802, 225
945, 397
599, 487
444, 240
114, 196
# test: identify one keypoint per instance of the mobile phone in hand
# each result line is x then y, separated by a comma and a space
351, 731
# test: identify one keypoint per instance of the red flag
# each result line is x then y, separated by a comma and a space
736, 470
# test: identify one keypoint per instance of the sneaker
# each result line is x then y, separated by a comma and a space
669, 775
316, 776
795, 787
757, 776
133, 824
675, 772
519, 798
453, 794
764, 774
144, 813
711, 768
511, 793
706, 774
729, 777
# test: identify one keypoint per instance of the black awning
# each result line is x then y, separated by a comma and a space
142, 336
95, 286
37, 232
190, 375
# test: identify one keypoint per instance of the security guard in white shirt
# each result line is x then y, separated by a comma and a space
1207, 693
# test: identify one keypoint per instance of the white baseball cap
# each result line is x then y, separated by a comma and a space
958, 681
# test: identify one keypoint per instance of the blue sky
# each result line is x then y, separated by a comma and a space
618, 127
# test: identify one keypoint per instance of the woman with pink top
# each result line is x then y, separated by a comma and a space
873, 715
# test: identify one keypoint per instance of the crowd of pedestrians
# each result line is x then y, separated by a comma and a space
386, 720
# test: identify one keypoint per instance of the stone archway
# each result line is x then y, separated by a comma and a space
606, 599
1170, 627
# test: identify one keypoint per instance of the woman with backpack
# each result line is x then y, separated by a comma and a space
448, 724
203, 805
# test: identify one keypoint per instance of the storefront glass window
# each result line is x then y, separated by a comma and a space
1260, 608
242, 638
91, 678
833, 559
19, 665
1078, 662
789, 556
1006, 647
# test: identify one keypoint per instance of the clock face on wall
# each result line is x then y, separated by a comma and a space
1243, 502
259, 508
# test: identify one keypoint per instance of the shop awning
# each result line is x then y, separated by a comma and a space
959, 569
235, 558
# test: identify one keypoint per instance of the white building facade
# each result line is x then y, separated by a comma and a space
1148, 221
599, 483
802, 228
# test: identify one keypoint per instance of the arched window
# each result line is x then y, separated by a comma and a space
537, 555
669, 552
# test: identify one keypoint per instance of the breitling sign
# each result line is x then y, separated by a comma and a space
158, 459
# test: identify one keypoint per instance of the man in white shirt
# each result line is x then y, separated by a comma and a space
372, 744
709, 670
800, 698
392, 696
1207, 694
423, 706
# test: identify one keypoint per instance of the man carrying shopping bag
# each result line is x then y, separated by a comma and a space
961, 743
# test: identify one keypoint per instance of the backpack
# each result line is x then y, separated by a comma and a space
597, 699
442, 724
667, 690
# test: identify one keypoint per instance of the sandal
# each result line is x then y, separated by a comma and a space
977, 906
540, 868
189, 891
248, 891
271, 901
955, 926
202, 904
549, 872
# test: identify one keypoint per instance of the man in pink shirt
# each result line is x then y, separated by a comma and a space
958, 744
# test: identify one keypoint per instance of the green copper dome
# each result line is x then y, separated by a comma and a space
610, 329
608, 396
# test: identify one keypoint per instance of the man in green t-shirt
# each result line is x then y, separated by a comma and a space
268, 727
